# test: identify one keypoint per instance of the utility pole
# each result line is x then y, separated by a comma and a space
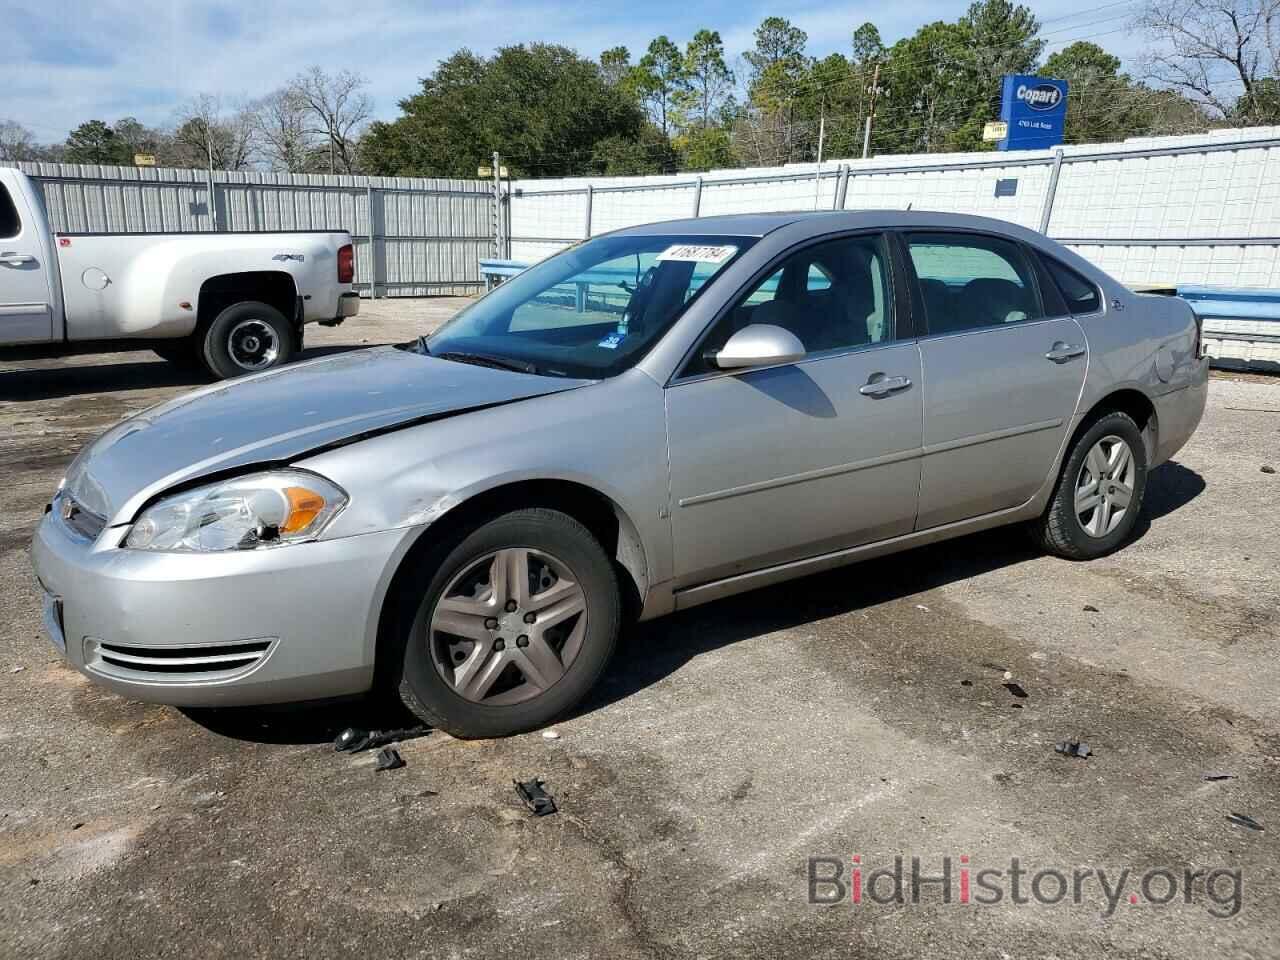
875, 92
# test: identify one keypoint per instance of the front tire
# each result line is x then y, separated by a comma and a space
510, 627
245, 338
1099, 493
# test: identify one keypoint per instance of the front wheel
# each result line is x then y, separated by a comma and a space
246, 337
511, 627
1099, 494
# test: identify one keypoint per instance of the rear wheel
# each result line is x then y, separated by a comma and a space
1099, 494
511, 628
246, 337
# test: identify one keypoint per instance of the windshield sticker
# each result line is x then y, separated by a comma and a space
697, 253
611, 341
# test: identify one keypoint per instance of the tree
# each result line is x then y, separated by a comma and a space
1216, 51
661, 79
280, 123
709, 78
650, 152
615, 64
17, 142
706, 148
208, 135
777, 67
543, 107
94, 142
339, 110
779, 43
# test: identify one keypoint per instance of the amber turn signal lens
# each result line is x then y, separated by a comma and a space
304, 506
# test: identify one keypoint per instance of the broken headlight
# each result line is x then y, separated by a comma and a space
263, 509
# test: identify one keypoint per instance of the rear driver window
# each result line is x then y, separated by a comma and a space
9, 223
1081, 295
970, 281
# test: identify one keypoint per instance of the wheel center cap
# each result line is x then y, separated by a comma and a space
251, 343
509, 624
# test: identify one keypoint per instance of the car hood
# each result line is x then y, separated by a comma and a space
281, 415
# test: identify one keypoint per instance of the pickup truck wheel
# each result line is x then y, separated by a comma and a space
246, 337
508, 627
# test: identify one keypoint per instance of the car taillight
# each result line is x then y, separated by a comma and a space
346, 263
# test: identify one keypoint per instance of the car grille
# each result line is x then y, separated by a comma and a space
83, 522
177, 663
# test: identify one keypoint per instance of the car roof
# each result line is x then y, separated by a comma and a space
759, 224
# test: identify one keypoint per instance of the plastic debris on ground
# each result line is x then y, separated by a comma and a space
1073, 748
550, 734
535, 797
389, 759
1089, 608
1218, 776
1016, 690
355, 739
1244, 820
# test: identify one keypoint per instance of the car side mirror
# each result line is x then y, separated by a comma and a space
759, 345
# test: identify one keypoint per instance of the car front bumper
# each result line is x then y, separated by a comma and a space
278, 625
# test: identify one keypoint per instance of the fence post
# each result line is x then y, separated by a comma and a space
587, 229
842, 187
213, 202
1051, 191
697, 197
373, 245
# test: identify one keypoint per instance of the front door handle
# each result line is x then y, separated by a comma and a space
884, 386
16, 259
1062, 352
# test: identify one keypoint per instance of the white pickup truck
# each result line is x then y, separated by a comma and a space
235, 303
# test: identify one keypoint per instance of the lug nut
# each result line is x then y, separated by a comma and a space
511, 606
499, 644
491, 624
522, 641
529, 618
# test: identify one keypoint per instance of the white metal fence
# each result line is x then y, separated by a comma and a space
1199, 209
412, 236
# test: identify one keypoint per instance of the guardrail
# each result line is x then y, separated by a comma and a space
1241, 326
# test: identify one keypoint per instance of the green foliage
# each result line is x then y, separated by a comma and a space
661, 80
96, 142
541, 106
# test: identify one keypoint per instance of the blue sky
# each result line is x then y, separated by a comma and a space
65, 61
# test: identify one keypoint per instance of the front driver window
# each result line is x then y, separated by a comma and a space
832, 296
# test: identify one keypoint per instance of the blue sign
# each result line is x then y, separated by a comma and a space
1035, 108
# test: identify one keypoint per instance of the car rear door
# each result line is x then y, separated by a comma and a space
26, 311
1001, 377
796, 460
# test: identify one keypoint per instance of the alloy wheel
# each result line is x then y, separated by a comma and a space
1104, 486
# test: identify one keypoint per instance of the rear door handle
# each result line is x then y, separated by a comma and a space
16, 259
1062, 352
884, 386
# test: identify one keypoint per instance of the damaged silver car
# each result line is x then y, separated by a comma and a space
652, 419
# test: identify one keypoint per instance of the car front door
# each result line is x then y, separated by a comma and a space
26, 314
1001, 379
795, 460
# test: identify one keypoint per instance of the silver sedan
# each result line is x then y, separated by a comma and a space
652, 419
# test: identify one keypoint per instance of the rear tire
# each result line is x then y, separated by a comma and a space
1099, 493
245, 338
536, 606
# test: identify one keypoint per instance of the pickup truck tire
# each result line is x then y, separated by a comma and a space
245, 338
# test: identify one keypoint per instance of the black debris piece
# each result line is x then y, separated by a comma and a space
995, 666
1244, 820
535, 798
1015, 705
355, 739
966, 683
1268, 469
1089, 608
1016, 690
1073, 748
389, 759
1218, 776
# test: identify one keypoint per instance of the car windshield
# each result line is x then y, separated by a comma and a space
591, 311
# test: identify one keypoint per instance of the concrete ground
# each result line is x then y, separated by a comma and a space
862, 712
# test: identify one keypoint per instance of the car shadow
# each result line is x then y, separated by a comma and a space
650, 652
72, 379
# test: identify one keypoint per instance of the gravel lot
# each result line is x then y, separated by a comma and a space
861, 712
